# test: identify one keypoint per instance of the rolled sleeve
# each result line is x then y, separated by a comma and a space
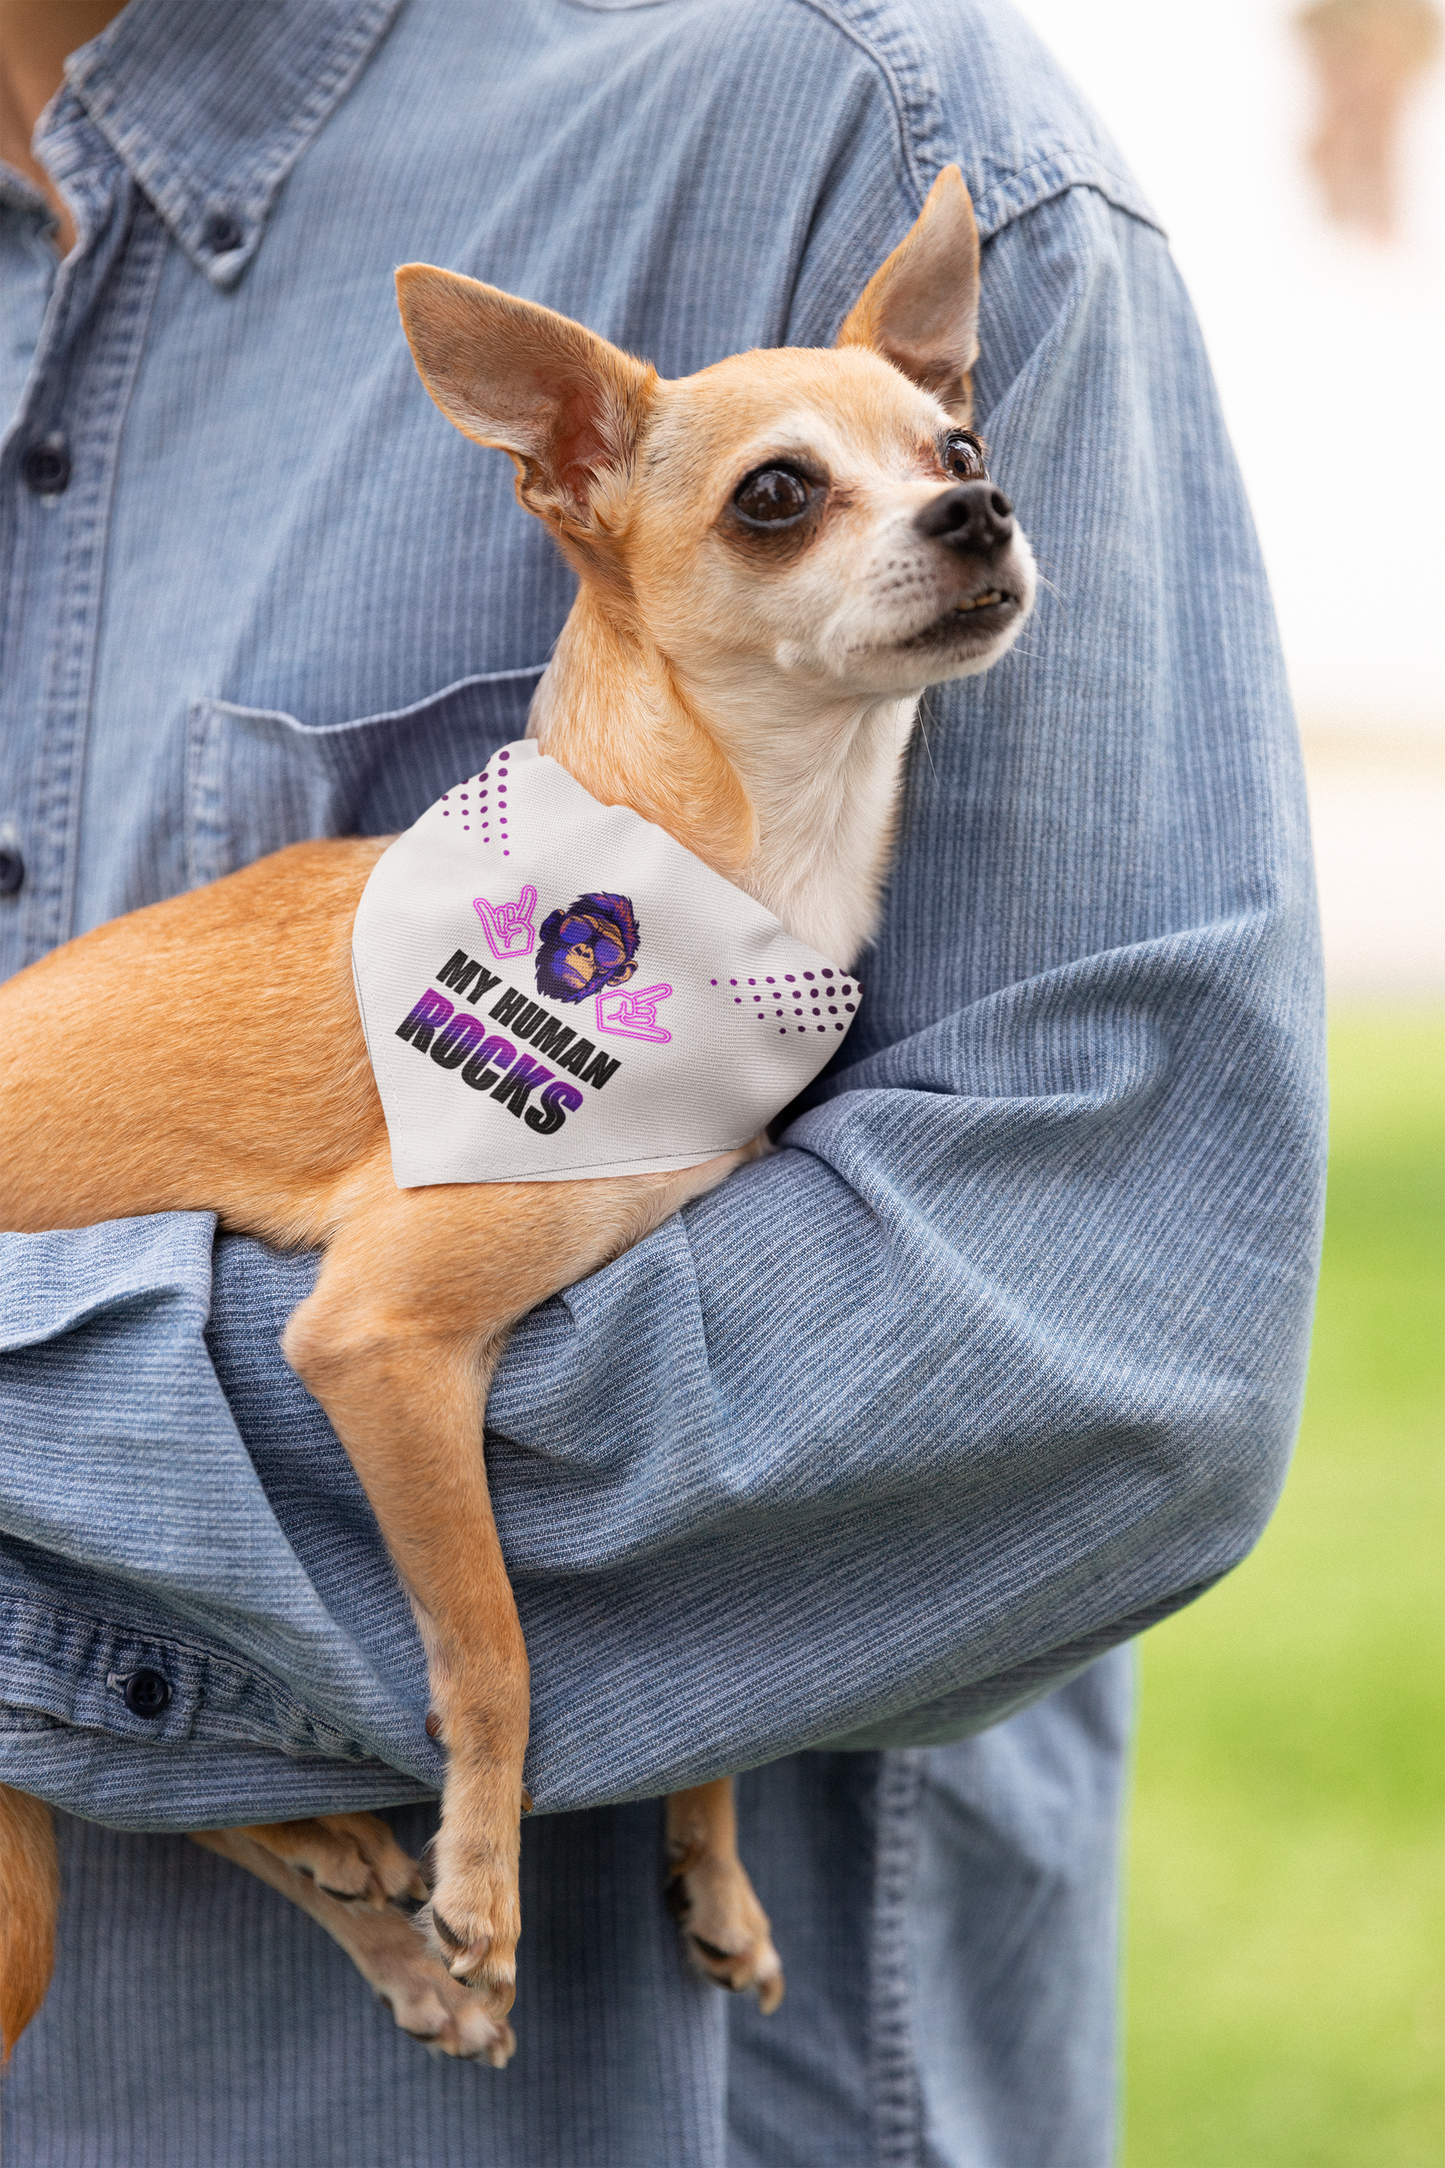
139, 1538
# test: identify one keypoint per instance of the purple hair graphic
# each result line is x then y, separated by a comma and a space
587, 948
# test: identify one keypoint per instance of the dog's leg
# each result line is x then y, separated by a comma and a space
29, 1905
398, 1341
405, 1391
382, 1943
350, 1856
726, 1930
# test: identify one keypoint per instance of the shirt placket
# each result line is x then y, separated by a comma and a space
57, 475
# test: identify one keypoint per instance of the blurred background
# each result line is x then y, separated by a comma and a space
1286, 1943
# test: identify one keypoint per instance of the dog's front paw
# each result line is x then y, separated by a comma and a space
473, 1921
725, 1930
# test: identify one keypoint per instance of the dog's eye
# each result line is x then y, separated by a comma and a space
773, 497
963, 455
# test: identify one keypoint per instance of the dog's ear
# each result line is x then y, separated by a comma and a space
920, 308
566, 405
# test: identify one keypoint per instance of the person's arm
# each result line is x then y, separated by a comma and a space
1000, 1357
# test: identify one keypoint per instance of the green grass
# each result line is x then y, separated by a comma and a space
1286, 1948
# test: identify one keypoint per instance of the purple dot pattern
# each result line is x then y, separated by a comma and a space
487, 804
808, 995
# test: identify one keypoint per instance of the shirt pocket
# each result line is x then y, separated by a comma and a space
257, 779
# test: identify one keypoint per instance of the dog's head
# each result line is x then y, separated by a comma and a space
823, 517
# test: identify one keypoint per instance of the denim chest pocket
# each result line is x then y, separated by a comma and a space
257, 779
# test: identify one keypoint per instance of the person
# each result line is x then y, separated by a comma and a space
858, 1476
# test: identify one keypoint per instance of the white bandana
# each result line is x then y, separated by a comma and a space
551, 987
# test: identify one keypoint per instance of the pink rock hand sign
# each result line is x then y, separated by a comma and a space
508, 926
629, 1015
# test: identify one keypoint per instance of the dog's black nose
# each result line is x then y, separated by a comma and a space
975, 517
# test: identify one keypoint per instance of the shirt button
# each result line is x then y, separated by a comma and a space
147, 1693
46, 468
222, 234
12, 870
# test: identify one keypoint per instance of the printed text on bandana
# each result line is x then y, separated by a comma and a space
484, 1054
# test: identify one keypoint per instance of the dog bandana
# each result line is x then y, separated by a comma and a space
551, 987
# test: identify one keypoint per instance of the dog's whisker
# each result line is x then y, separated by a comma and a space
923, 733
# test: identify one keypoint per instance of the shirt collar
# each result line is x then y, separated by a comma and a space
210, 105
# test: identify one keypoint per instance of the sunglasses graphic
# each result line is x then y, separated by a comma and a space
581, 933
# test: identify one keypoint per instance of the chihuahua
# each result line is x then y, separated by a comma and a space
776, 557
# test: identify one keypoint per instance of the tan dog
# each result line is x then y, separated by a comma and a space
776, 556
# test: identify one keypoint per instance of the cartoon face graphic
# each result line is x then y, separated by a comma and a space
587, 948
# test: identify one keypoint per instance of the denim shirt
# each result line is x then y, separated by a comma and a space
1000, 1357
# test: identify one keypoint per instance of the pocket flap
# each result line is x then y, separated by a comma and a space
257, 779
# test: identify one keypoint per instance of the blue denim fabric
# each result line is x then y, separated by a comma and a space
996, 1362
948, 1917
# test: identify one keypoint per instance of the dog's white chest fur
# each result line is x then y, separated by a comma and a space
826, 798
